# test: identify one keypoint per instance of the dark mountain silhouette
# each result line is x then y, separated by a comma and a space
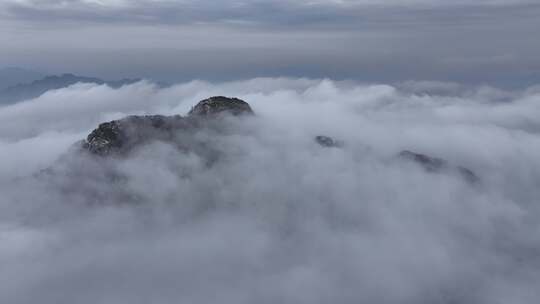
36, 88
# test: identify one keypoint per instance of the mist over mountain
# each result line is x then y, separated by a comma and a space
36, 88
331, 190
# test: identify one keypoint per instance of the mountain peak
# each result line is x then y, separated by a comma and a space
219, 104
121, 136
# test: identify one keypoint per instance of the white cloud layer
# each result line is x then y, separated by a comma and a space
279, 219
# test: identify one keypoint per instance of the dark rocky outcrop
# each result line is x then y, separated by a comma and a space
220, 104
328, 142
433, 164
119, 137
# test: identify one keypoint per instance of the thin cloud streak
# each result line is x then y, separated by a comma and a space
251, 13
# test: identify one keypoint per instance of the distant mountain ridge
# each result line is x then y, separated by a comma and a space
10, 76
16, 93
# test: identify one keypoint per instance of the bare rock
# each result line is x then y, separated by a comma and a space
121, 136
220, 104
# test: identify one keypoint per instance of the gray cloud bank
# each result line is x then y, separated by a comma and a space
251, 12
379, 41
278, 219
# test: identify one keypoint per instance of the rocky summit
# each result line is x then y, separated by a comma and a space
119, 137
221, 104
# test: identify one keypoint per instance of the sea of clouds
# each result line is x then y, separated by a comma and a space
278, 219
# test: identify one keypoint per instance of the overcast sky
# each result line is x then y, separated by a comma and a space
482, 41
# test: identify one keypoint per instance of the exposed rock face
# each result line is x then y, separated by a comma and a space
433, 164
220, 104
121, 136
328, 142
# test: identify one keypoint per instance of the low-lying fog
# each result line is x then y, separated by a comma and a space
278, 219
